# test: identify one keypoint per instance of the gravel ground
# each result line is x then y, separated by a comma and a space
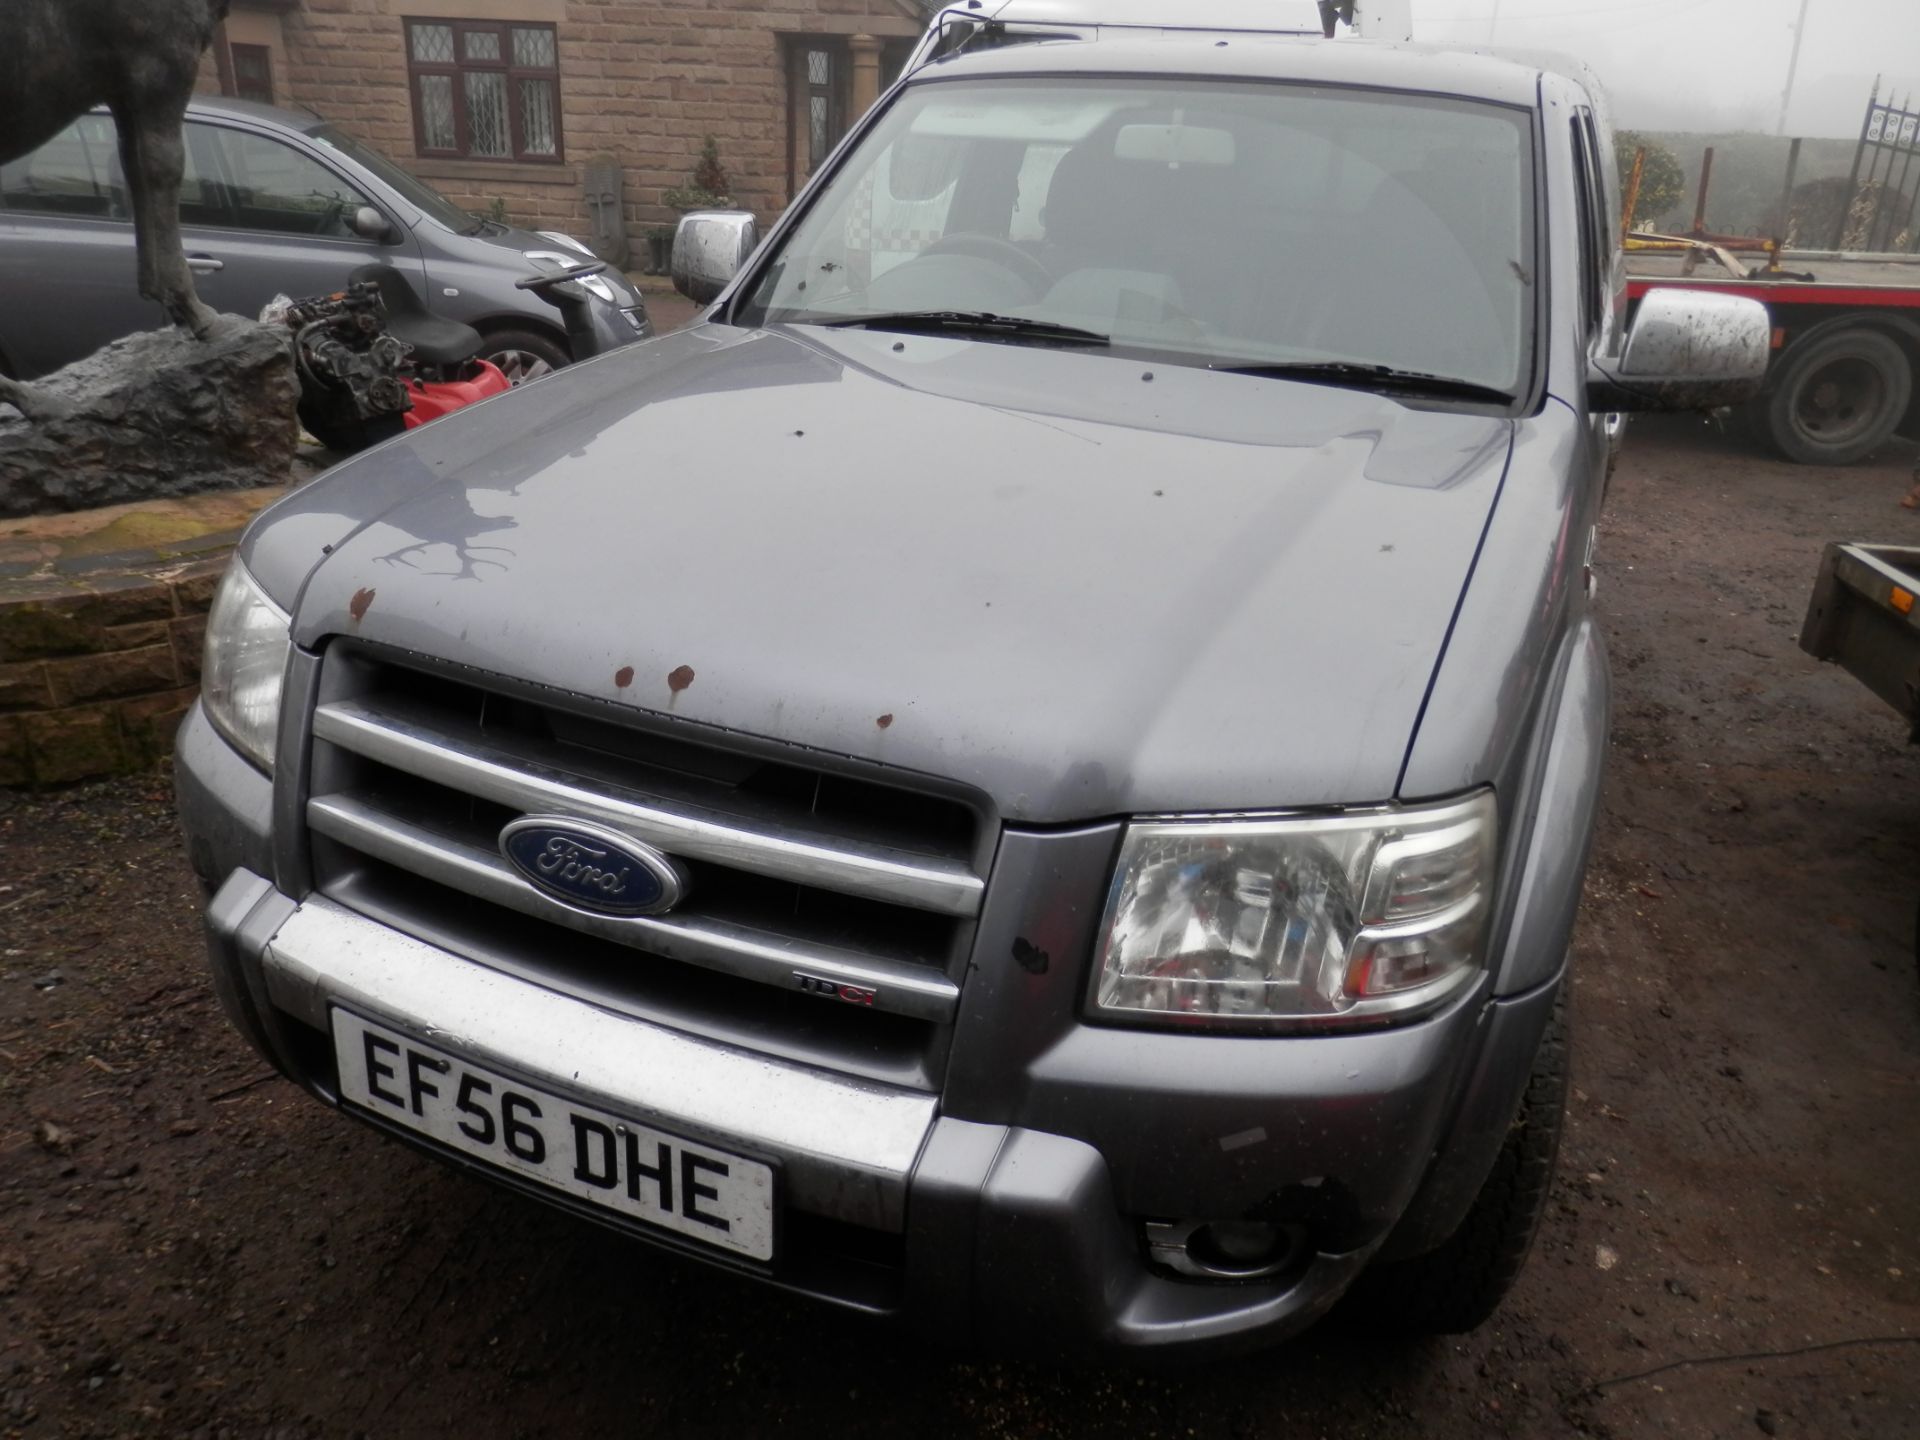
188, 1247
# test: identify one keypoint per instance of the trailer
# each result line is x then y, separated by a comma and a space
1846, 320
1846, 339
1865, 616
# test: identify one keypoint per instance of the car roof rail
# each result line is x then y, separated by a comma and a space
967, 25
955, 30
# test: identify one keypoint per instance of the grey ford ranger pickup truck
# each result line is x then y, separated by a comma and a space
1030, 771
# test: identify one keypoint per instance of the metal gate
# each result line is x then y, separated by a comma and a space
1880, 210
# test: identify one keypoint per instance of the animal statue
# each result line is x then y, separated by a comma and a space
59, 59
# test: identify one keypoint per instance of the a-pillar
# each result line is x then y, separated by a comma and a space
866, 73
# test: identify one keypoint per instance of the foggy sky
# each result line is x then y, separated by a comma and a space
1709, 64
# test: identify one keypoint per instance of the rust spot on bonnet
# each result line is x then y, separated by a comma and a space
680, 679
623, 677
358, 606
884, 721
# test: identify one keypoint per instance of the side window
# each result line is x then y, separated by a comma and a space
78, 173
275, 187
1606, 205
202, 200
75, 173
1590, 224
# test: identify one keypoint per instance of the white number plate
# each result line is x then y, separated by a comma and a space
696, 1191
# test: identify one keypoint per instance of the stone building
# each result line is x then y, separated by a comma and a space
504, 102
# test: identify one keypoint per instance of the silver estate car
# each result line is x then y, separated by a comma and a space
1053, 803
273, 203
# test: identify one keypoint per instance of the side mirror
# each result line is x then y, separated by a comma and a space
709, 249
369, 224
1687, 350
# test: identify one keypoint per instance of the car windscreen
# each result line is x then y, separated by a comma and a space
1212, 223
415, 191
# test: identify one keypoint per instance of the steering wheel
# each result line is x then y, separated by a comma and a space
1004, 253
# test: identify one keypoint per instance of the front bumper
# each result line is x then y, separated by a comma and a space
1012, 1202
989, 1225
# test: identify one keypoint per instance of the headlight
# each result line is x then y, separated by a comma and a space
245, 665
1292, 922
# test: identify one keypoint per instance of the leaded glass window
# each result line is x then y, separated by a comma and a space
484, 90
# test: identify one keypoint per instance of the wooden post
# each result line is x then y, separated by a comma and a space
1706, 184
1786, 204
1632, 197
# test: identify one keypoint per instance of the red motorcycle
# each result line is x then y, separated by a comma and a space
373, 360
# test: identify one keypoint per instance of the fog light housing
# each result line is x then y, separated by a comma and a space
1225, 1249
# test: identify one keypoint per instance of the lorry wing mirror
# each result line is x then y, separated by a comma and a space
709, 249
1687, 350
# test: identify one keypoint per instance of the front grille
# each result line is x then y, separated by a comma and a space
806, 867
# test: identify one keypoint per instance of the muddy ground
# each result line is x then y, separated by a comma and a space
197, 1250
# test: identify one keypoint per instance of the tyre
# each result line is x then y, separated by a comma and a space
1838, 397
524, 354
1453, 1289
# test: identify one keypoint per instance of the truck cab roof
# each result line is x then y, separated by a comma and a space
1374, 19
1416, 69
1285, 17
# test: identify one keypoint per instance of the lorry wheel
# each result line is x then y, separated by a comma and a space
1453, 1289
524, 355
1837, 398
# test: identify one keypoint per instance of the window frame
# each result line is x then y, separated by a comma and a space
100, 177
733, 307
1611, 231
802, 164
460, 67
109, 184
1595, 227
263, 56
210, 140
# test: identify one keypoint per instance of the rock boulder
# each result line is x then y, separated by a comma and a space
156, 414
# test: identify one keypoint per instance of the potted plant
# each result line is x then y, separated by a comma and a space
707, 188
660, 250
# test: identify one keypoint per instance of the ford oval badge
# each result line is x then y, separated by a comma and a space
590, 868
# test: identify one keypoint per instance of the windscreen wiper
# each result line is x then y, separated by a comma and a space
1372, 377
972, 322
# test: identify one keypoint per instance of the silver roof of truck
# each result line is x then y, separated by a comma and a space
1418, 69
1289, 17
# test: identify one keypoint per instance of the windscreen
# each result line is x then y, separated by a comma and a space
1200, 222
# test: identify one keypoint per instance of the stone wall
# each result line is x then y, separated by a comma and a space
96, 677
